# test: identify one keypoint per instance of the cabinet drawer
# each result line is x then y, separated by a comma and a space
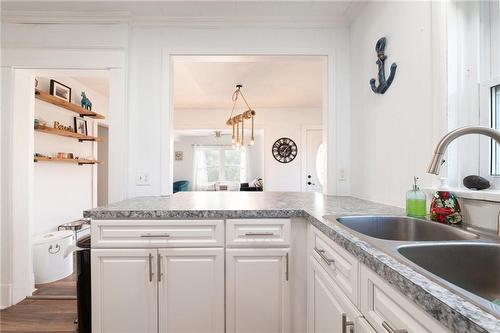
157, 233
385, 308
258, 232
342, 266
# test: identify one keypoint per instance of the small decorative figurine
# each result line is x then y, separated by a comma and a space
86, 103
383, 83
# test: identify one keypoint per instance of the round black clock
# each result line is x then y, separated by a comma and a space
284, 150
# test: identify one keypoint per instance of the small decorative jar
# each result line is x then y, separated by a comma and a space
444, 206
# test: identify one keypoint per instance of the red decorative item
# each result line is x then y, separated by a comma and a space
445, 208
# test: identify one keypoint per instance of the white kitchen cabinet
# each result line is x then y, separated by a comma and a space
387, 310
191, 290
124, 291
257, 287
329, 309
363, 326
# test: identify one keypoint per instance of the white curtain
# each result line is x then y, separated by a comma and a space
200, 176
244, 165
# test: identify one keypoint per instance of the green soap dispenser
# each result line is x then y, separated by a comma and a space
416, 201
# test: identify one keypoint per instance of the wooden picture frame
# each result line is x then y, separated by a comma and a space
60, 90
80, 126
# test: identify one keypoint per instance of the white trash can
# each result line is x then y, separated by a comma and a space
51, 260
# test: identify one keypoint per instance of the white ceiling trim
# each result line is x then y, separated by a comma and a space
79, 17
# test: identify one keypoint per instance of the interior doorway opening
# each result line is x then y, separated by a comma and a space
287, 94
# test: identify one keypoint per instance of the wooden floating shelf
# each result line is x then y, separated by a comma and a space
46, 97
55, 131
65, 160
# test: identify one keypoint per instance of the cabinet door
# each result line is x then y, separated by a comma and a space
124, 291
191, 290
257, 290
329, 309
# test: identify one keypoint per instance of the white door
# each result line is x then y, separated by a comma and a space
257, 290
329, 309
191, 290
124, 291
313, 140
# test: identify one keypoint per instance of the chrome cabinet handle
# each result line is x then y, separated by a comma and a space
346, 323
155, 235
150, 267
325, 258
389, 328
158, 262
286, 271
259, 234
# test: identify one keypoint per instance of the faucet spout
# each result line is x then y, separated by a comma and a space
437, 160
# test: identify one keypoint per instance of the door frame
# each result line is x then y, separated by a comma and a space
303, 171
20, 68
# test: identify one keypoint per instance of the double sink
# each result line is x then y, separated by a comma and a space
453, 256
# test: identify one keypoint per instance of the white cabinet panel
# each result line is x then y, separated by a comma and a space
363, 326
329, 310
257, 290
258, 233
124, 291
157, 233
191, 290
342, 266
384, 307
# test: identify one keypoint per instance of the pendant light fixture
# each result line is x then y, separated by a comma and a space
235, 121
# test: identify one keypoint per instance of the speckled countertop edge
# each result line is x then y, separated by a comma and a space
451, 310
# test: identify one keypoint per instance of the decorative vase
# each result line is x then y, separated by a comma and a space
445, 208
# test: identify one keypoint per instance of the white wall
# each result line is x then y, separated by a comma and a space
183, 170
62, 191
392, 134
276, 123
149, 108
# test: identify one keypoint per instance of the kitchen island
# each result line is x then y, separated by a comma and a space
452, 311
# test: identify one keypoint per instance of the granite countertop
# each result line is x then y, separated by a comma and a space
452, 310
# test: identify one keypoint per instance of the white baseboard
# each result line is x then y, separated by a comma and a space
5, 296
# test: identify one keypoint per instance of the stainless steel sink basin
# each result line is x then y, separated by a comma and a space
401, 228
474, 267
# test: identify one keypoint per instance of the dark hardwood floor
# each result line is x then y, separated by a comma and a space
37, 315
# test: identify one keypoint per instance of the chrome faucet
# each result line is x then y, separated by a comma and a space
438, 159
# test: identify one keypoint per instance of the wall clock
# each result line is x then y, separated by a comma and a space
284, 150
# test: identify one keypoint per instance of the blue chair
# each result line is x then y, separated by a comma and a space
181, 186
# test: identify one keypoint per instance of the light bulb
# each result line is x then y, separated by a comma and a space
252, 141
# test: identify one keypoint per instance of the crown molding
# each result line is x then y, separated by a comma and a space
65, 17
124, 17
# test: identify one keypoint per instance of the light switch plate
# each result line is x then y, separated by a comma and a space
143, 178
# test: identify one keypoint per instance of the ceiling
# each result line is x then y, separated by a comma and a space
268, 81
322, 12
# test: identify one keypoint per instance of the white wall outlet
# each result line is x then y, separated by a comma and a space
342, 176
143, 178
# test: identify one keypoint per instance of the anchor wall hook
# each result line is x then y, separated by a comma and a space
383, 83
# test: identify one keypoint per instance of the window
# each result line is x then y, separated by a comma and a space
218, 164
495, 123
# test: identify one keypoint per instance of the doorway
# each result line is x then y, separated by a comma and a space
314, 160
287, 93
102, 171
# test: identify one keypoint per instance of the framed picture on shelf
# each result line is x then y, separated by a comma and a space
60, 90
80, 126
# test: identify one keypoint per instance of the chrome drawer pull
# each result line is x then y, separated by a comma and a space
155, 236
150, 264
259, 234
322, 255
346, 323
389, 328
